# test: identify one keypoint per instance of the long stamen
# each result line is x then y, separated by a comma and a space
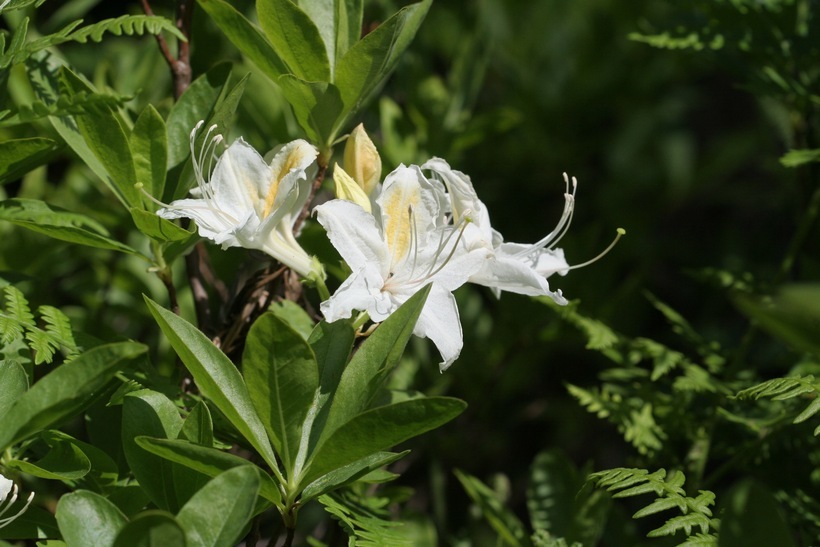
552, 238
464, 222
414, 239
8, 520
621, 233
139, 186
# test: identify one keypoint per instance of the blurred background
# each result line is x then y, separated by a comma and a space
680, 148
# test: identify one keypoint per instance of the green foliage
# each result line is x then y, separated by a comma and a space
365, 520
696, 513
17, 324
781, 389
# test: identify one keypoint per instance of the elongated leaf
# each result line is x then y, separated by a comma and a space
373, 362
216, 376
295, 39
197, 103
19, 156
503, 521
158, 228
793, 315
209, 461
199, 427
247, 37
295, 316
339, 23
65, 391
104, 133
368, 62
58, 223
349, 473
169, 485
13, 383
151, 529
65, 461
282, 377
86, 518
379, 429
318, 107
149, 147
218, 513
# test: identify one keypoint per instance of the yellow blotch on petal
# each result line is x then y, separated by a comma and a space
399, 209
292, 156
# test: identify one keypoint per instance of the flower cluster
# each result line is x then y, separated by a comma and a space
8, 495
423, 225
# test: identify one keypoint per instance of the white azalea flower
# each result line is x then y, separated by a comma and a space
398, 249
8, 495
246, 202
513, 267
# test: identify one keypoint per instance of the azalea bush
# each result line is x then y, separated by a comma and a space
255, 287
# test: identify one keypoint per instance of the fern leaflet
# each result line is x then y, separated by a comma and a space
365, 525
781, 389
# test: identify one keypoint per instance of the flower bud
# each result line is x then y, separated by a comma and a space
362, 161
348, 189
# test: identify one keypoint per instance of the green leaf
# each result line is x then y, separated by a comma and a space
195, 104
793, 315
503, 521
282, 377
158, 228
216, 376
373, 362
61, 224
147, 412
208, 461
105, 135
368, 62
65, 391
349, 473
65, 461
86, 518
796, 158
19, 156
379, 429
151, 529
295, 316
339, 23
295, 39
13, 383
198, 426
218, 513
149, 146
246, 36
318, 107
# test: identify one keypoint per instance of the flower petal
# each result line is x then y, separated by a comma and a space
439, 321
361, 291
236, 180
353, 232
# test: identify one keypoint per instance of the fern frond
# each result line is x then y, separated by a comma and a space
64, 106
781, 389
692, 40
542, 538
58, 325
700, 540
43, 344
697, 514
363, 524
10, 330
129, 25
17, 307
19, 4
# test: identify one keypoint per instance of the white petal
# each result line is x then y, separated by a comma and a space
361, 291
439, 321
238, 178
353, 232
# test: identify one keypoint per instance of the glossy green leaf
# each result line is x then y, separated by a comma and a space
65, 391
318, 107
104, 133
349, 473
13, 383
86, 518
218, 513
19, 156
158, 228
282, 377
208, 461
147, 412
339, 23
149, 147
216, 376
295, 39
198, 426
368, 62
331, 343
294, 315
373, 362
64, 461
59, 223
197, 103
151, 529
247, 37
379, 429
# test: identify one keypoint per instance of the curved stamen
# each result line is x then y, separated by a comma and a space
436, 268
552, 238
219, 212
10, 502
620, 233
